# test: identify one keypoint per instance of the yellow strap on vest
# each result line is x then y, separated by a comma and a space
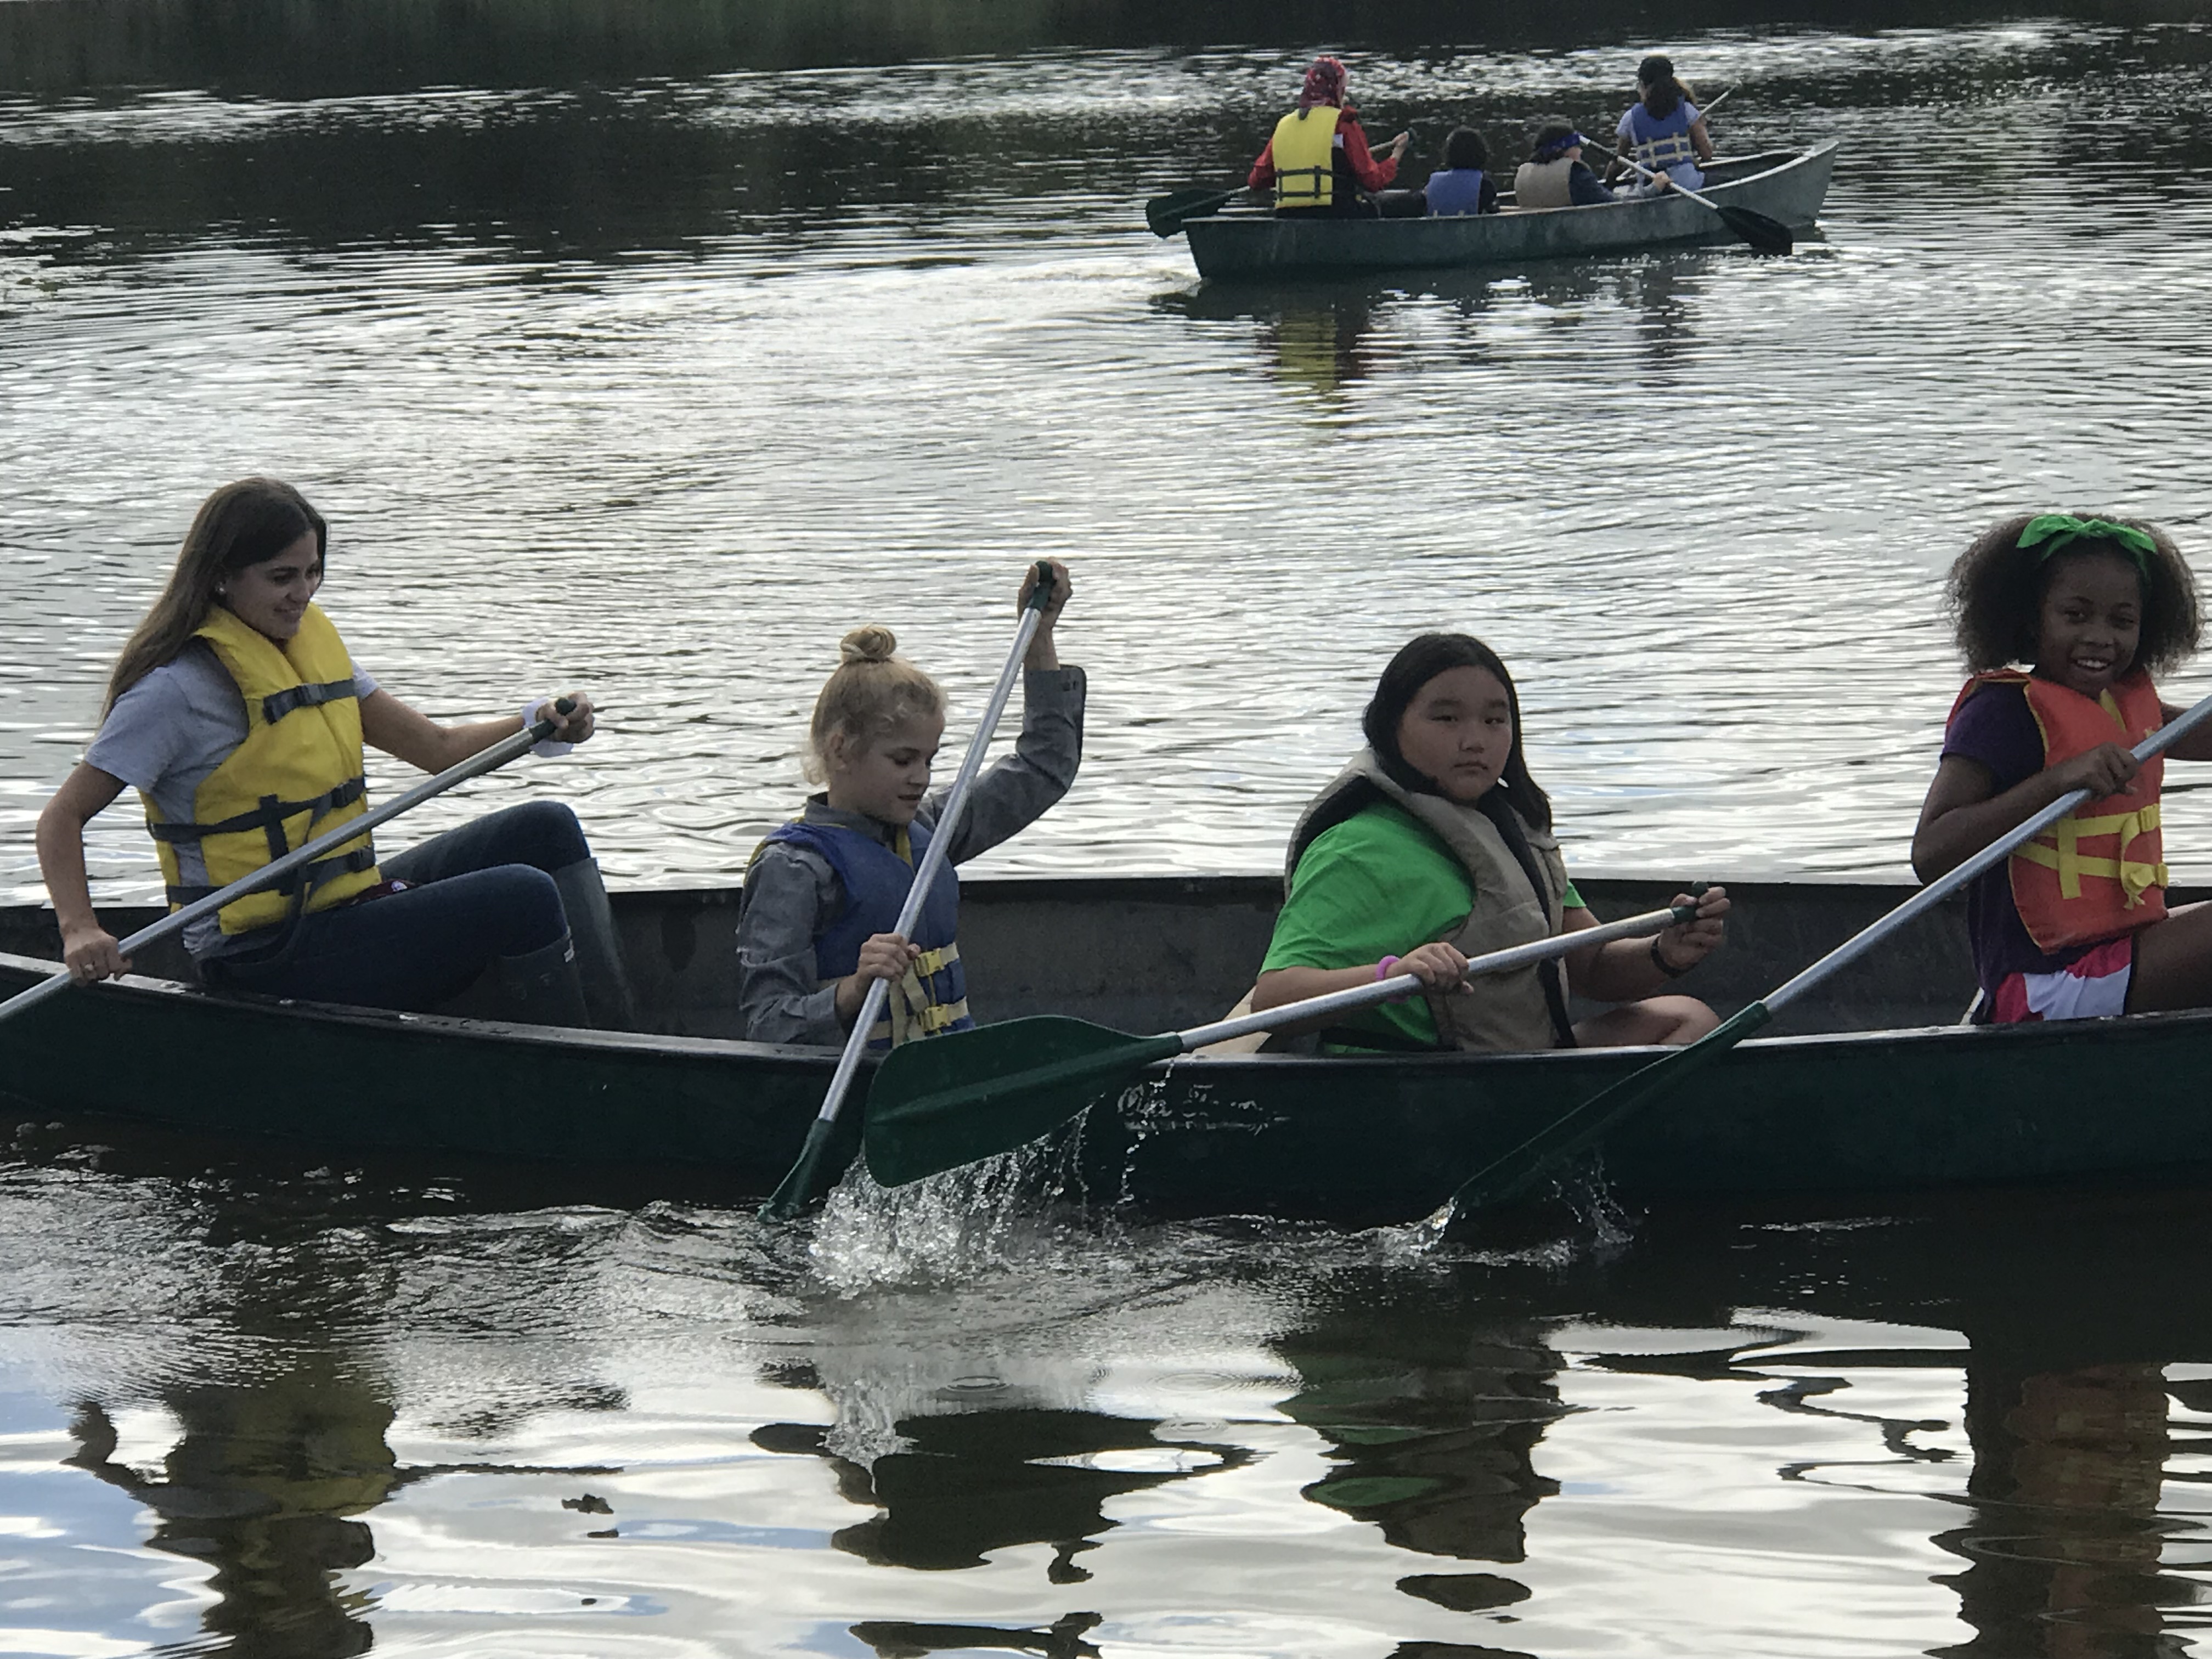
937, 961
2062, 854
912, 1017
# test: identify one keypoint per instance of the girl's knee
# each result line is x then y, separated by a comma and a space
523, 907
1689, 1017
544, 833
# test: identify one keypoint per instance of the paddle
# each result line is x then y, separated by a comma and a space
1767, 235
973, 1095
1166, 214
276, 869
1581, 1127
797, 1186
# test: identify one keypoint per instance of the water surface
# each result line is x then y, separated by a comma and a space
648, 349
656, 386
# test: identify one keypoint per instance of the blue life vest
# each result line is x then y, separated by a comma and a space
1455, 191
1664, 144
932, 999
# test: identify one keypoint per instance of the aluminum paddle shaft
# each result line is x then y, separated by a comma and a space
1398, 986
488, 759
1581, 1127
796, 1187
1949, 883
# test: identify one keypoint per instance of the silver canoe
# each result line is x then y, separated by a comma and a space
1244, 247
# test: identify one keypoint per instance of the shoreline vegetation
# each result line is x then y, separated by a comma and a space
301, 48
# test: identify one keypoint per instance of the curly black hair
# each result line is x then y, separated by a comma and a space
1996, 597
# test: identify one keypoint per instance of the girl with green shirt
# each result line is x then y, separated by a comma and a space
1435, 845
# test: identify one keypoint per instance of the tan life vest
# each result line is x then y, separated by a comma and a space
1507, 1011
1543, 185
1305, 158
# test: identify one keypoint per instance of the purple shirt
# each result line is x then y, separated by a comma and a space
1997, 728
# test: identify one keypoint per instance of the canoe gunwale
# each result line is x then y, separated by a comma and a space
139, 985
737, 1051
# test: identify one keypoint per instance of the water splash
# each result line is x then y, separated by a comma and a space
946, 1229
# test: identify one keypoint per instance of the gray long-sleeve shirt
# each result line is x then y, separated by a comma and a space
791, 893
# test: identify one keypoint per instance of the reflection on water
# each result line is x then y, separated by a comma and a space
263, 1485
655, 374
2065, 1549
1973, 1429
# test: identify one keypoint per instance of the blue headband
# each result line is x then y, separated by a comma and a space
1559, 147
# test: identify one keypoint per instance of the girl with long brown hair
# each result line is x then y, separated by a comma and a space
238, 715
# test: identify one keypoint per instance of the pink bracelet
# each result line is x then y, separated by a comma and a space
1382, 968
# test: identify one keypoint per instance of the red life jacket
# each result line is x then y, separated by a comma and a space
2099, 871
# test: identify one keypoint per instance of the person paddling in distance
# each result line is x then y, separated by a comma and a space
238, 715
1318, 159
2074, 924
1435, 845
1663, 129
1555, 175
823, 891
1460, 186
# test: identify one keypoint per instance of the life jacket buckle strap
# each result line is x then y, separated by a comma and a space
292, 698
269, 811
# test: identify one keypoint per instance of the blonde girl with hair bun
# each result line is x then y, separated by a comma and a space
823, 891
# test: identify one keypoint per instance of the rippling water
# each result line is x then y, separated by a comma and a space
657, 387
656, 380
282, 1415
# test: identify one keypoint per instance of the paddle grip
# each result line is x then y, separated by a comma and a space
1040, 595
544, 728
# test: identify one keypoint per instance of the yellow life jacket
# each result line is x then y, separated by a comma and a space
1305, 158
297, 774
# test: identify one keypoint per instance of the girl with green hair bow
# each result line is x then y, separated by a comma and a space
2063, 620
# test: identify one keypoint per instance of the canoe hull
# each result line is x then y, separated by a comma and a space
1258, 247
1354, 1142
1878, 1093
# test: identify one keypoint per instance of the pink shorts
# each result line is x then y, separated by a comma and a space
2091, 988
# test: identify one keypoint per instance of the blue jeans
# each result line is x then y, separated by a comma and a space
476, 893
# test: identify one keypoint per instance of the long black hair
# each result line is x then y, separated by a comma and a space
1662, 91
1418, 662
1512, 804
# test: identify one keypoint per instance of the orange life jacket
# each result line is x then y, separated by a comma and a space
2099, 871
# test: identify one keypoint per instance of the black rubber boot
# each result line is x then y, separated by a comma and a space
599, 947
543, 988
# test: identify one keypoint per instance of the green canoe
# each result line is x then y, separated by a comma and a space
1255, 245
1873, 1088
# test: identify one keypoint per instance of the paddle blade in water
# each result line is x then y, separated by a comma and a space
953, 1100
1580, 1127
798, 1187
1767, 235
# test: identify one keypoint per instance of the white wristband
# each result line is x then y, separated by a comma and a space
548, 748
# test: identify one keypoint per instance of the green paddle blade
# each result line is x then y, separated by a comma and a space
1767, 235
955, 1099
796, 1188
1580, 1127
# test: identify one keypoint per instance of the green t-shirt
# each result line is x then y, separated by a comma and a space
1379, 885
